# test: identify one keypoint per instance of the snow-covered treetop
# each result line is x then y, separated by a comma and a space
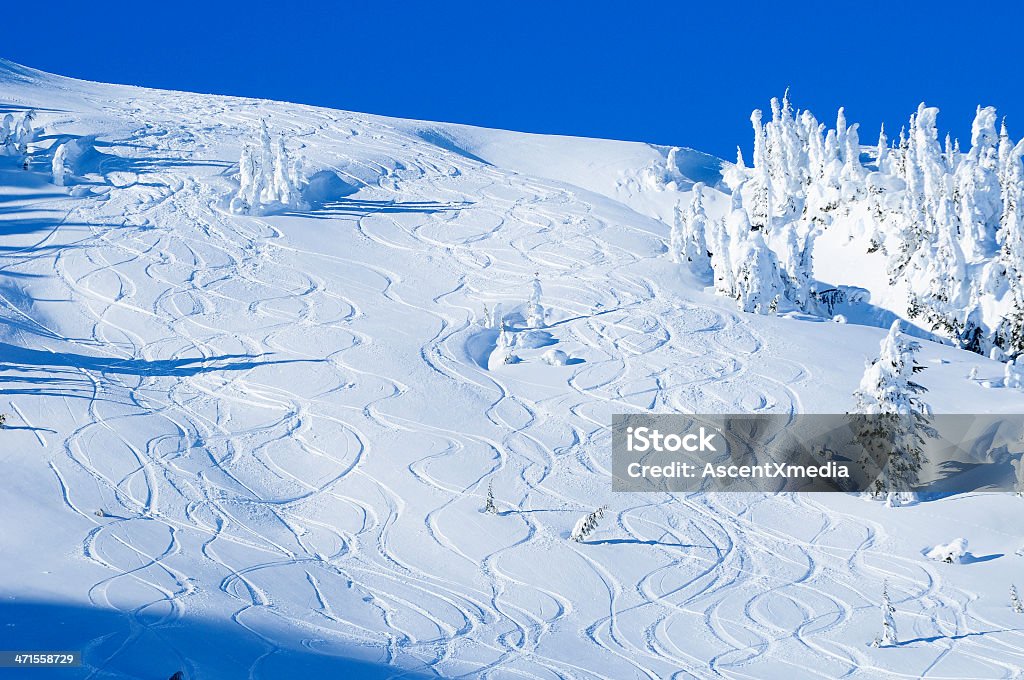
887, 385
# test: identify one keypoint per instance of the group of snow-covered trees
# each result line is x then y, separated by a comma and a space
268, 178
534, 316
15, 136
949, 222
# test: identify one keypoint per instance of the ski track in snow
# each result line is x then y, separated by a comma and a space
381, 549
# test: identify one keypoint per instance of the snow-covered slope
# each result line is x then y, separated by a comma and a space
259, 447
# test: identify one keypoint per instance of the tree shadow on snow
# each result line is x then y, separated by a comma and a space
40, 372
25, 428
971, 558
33, 359
936, 638
140, 165
8, 107
530, 512
637, 541
155, 644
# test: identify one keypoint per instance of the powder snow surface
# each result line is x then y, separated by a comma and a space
259, 447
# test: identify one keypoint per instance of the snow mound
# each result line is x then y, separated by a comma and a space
556, 357
326, 186
949, 552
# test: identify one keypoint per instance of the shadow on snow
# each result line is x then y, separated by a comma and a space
151, 643
64, 374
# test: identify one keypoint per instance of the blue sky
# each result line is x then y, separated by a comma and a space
678, 73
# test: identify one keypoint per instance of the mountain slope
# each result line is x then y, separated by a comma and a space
253, 446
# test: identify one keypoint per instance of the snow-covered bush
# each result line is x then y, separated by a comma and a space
892, 434
949, 553
268, 179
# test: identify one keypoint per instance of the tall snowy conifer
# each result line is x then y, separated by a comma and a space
58, 164
692, 227
896, 420
889, 635
758, 285
534, 309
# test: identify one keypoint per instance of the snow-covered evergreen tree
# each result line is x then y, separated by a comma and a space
284, 192
675, 239
672, 163
757, 285
535, 313
8, 147
1013, 375
795, 263
494, 316
504, 349
586, 525
248, 172
58, 164
489, 506
882, 151
853, 172
896, 420
1015, 602
690, 233
723, 234
889, 635
26, 132
978, 187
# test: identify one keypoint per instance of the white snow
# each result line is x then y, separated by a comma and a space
556, 357
258, 445
953, 551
